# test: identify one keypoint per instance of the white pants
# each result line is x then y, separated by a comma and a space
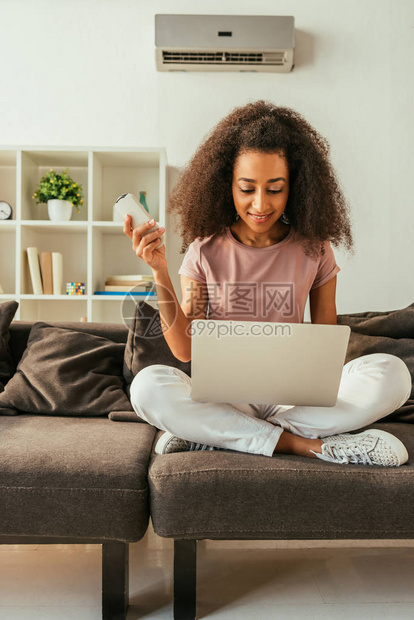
371, 387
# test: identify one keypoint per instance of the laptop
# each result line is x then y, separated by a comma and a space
267, 363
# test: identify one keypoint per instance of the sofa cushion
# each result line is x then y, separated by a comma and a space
7, 367
126, 416
384, 332
234, 495
391, 323
66, 372
73, 477
20, 332
145, 346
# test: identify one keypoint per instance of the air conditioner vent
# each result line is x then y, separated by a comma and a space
255, 43
246, 58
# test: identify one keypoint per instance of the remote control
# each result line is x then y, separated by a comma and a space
128, 204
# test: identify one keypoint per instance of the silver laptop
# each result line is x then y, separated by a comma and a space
267, 363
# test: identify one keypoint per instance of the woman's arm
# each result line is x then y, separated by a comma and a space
193, 304
322, 303
176, 319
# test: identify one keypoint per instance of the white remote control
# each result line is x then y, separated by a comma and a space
128, 204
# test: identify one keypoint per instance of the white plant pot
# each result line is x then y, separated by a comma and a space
59, 210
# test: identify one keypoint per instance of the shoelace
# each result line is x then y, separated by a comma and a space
199, 446
347, 454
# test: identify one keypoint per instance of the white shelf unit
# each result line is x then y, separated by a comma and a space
92, 244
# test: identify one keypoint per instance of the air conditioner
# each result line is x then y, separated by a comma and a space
224, 43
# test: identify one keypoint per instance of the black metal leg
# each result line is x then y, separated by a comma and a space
115, 580
185, 579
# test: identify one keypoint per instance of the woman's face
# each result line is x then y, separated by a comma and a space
260, 187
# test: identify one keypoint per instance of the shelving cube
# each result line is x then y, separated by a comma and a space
93, 245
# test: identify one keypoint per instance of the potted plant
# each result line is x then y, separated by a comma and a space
61, 193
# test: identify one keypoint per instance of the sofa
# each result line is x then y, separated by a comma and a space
75, 475
75, 479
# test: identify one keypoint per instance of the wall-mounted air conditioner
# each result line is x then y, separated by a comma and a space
224, 43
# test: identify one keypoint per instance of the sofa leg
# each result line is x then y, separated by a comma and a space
115, 580
185, 579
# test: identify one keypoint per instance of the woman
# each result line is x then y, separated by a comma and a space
259, 205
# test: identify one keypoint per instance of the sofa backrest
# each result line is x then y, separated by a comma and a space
20, 330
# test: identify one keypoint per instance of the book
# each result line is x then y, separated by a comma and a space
57, 273
124, 287
138, 294
33, 258
137, 278
129, 283
46, 270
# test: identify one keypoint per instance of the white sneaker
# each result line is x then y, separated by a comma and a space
170, 443
372, 447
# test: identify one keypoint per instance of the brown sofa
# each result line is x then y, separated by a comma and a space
226, 495
78, 479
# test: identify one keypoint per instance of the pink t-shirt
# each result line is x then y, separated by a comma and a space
245, 283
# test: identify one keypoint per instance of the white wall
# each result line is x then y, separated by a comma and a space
82, 72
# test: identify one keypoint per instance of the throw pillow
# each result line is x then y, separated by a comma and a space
66, 372
146, 346
7, 368
391, 324
384, 332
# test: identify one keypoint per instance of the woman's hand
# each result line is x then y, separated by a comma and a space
146, 245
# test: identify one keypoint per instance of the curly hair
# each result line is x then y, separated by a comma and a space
316, 206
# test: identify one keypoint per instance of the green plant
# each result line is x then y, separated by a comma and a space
60, 187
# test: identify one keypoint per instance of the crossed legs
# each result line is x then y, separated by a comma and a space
371, 387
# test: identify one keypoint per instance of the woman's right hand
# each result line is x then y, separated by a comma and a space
146, 246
